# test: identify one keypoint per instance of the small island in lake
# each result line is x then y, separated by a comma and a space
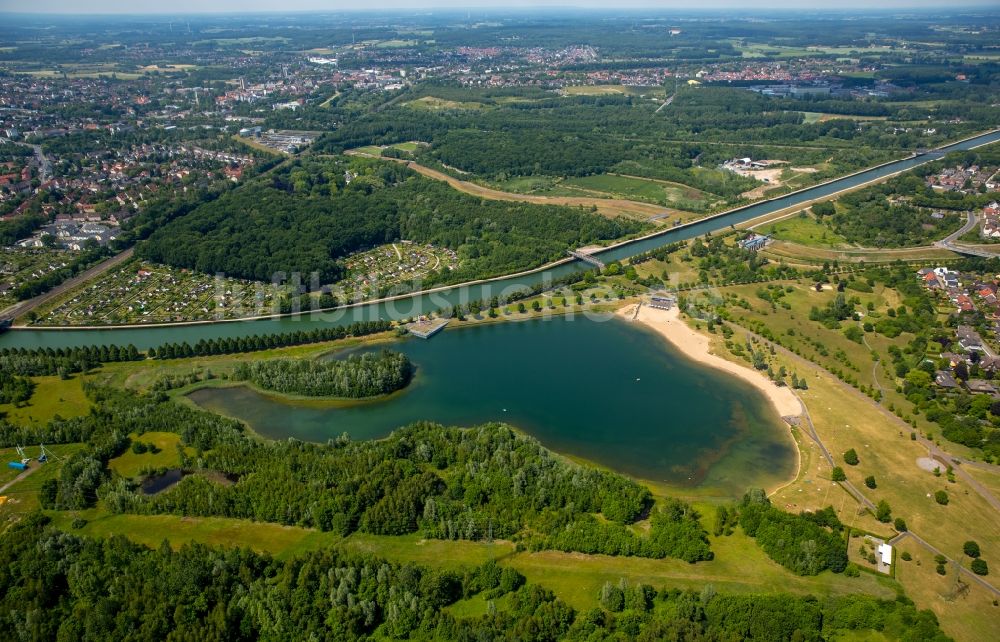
358, 376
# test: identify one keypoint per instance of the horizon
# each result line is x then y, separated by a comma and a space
225, 7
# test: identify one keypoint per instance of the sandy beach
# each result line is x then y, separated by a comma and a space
695, 346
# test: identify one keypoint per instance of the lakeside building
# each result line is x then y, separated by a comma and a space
662, 302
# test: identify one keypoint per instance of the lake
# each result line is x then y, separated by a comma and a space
607, 391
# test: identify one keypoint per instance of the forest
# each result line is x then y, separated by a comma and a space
584, 135
58, 586
447, 483
904, 211
306, 216
359, 375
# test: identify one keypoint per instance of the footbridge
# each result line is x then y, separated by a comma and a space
589, 258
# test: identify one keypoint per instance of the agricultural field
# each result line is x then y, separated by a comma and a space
140, 292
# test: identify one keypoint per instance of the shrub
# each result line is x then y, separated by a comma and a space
837, 474
980, 567
870, 481
851, 457
971, 549
900, 524
906, 557
941, 497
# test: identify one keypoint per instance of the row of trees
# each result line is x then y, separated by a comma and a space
359, 375
258, 342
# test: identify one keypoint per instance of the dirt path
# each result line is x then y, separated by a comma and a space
22, 308
4, 488
606, 206
933, 549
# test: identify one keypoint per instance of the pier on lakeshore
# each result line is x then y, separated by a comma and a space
426, 328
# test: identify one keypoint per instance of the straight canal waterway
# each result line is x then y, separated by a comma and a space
608, 391
421, 303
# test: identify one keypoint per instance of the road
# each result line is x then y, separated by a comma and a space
665, 103
950, 242
44, 166
22, 308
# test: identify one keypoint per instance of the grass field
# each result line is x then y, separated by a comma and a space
52, 396
805, 254
22, 496
965, 616
594, 90
634, 188
739, 566
607, 207
805, 230
130, 464
822, 117
435, 104
610, 90
846, 419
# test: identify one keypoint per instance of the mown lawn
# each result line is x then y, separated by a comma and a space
805, 230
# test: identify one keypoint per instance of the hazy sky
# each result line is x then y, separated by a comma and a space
187, 6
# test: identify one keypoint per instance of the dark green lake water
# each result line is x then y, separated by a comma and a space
609, 392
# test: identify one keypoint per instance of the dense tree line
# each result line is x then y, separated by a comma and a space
306, 216
14, 389
805, 544
483, 483
359, 375
55, 585
20, 227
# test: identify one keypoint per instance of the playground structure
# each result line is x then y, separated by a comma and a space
22, 464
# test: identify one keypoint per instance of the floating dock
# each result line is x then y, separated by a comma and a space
426, 328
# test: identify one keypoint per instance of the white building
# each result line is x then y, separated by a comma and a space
885, 554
